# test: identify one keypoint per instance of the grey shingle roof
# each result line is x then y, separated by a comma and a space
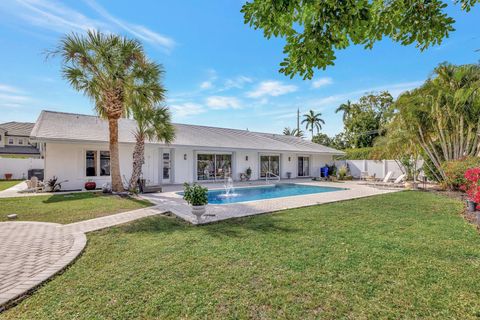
17, 128
75, 127
19, 150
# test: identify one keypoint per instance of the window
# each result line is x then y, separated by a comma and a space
10, 140
20, 141
166, 165
214, 166
303, 166
97, 163
91, 163
269, 166
104, 163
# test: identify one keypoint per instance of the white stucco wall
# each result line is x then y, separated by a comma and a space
67, 162
242, 164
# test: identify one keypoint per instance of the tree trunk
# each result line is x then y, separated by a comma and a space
117, 185
138, 161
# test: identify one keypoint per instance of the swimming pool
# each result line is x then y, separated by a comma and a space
265, 192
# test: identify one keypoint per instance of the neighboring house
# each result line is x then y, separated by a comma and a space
15, 140
76, 149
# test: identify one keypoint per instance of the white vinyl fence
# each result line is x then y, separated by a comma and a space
379, 168
19, 167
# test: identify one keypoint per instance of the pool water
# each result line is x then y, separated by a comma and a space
265, 192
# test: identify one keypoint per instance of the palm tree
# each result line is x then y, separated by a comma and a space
313, 121
289, 132
112, 71
293, 132
346, 108
153, 123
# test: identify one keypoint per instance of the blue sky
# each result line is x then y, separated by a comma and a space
219, 71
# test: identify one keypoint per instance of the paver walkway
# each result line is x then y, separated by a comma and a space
32, 252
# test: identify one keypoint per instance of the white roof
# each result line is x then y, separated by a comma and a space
59, 126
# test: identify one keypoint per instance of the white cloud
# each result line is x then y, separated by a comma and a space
395, 89
9, 89
55, 16
321, 82
271, 88
237, 82
211, 77
186, 109
222, 102
139, 31
12, 97
206, 85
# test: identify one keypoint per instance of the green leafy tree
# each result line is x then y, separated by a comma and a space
336, 142
314, 30
323, 139
313, 121
442, 116
112, 71
366, 118
153, 124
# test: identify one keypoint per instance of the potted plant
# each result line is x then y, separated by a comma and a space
8, 176
197, 197
248, 173
90, 185
289, 175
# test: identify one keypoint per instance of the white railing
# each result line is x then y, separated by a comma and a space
271, 174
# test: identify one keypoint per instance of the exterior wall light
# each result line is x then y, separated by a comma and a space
185, 156
288, 159
246, 158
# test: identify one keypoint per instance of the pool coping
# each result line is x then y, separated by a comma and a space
172, 202
269, 185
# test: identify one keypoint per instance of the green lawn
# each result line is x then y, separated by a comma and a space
5, 184
405, 255
68, 208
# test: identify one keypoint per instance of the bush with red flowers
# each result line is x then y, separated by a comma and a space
472, 184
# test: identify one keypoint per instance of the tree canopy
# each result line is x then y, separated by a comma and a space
313, 30
442, 117
364, 120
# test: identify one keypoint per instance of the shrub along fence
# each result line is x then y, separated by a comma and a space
377, 167
19, 167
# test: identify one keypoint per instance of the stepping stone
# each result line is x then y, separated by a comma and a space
12, 216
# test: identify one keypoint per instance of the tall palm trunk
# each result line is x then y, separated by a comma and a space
117, 185
138, 161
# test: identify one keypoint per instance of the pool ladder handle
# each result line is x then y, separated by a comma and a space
269, 174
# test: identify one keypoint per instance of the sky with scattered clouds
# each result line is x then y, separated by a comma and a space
219, 71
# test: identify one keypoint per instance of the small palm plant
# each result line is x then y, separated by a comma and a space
313, 121
153, 123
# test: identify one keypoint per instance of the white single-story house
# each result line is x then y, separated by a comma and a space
76, 149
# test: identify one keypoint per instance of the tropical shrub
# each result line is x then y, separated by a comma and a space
455, 171
342, 172
195, 194
472, 184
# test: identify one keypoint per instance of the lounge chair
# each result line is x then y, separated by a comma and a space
385, 180
397, 183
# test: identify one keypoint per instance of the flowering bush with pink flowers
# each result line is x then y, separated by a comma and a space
472, 184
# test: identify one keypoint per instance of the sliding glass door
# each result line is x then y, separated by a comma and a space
214, 166
303, 166
269, 165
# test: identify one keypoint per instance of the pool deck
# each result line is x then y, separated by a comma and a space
169, 200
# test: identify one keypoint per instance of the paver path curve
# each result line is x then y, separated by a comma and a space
32, 252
